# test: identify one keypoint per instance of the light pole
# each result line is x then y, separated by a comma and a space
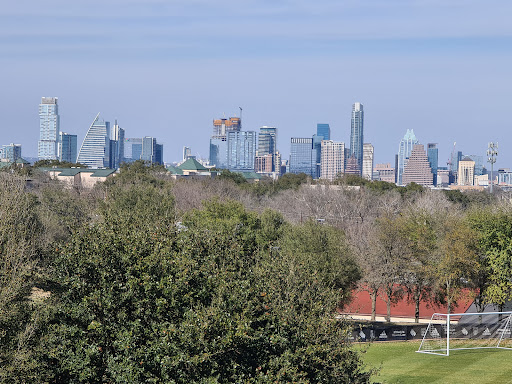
492, 152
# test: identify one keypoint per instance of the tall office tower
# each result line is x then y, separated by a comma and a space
219, 152
67, 147
404, 151
323, 130
95, 149
152, 151
132, 149
222, 126
466, 172
333, 159
267, 144
117, 138
241, 150
367, 171
417, 170
11, 152
432, 154
479, 164
49, 128
356, 134
302, 156
187, 153
455, 158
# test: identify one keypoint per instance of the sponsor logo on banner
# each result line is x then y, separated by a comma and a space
362, 335
486, 332
465, 331
413, 333
383, 335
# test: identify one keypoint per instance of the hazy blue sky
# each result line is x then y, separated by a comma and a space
168, 68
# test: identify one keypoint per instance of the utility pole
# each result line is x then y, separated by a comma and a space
492, 152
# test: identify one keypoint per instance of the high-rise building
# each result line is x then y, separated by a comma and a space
404, 151
351, 167
367, 171
323, 130
466, 172
302, 156
263, 164
417, 170
333, 159
49, 128
222, 126
385, 172
117, 145
152, 151
356, 134
219, 152
11, 152
67, 147
187, 153
241, 152
267, 141
479, 164
432, 154
132, 149
95, 149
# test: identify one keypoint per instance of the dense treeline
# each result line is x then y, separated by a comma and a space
148, 279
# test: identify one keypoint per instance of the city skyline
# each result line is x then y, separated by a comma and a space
439, 68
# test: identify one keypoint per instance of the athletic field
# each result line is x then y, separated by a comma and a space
399, 363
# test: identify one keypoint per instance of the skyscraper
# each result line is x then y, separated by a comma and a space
302, 156
267, 141
367, 169
219, 140
11, 152
356, 134
333, 159
324, 130
432, 154
222, 126
49, 128
95, 149
117, 145
417, 169
151, 150
404, 151
67, 147
241, 150
466, 172
132, 149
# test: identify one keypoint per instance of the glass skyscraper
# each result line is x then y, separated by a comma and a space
67, 147
152, 151
404, 151
302, 156
432, 154
95, 149
323, 130
267, 141
11, 152
356, 134
117, 146
49, 128
241, 151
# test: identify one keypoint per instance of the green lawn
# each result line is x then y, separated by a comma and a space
399, 363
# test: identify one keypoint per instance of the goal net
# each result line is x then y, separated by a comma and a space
456, 331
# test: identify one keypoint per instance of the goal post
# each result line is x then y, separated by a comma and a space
459, 331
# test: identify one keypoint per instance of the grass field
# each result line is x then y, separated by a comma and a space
399, 363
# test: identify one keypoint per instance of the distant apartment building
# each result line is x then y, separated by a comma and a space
417, 170
332, 159
367, 171
49, 128
264, 164
385, 172
351, 167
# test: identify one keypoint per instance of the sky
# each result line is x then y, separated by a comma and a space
167, 68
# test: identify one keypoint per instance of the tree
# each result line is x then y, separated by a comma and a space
458, 263
227, 296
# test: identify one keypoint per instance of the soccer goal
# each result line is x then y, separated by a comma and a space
456, 331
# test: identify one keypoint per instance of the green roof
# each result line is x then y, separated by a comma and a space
250, 175
95, 172
192, 165
102, 172
21, 160
175, 170
5, 164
